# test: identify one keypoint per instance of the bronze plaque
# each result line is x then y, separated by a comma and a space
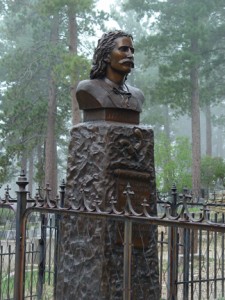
140, 185
111, 114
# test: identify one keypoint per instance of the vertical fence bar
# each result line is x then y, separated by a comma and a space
8, 272
1, 272
222, 267
192, 262
56, 247
161, 259
49, 250
207, 266
127, 260
57, 235
172, 251
40, 271
32, 269
42, 257
20, 238
200, 265
186, 262
215, 260
172, 258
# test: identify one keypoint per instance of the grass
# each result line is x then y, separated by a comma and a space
31, 279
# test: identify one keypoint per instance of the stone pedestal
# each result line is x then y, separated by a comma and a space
103, 158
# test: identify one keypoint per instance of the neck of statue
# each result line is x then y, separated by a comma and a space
117, 78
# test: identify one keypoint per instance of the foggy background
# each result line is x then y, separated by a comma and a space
46, 47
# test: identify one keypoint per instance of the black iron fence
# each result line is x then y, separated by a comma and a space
191, 241
39, 257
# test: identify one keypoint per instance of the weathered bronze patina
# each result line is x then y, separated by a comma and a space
106, 96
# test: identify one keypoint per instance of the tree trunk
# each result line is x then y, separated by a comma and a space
167, 122
208, 130
168, 175
31, 172
196, 148
40, 166
24, 161
73, 36
50, 144
219, 142
195, 117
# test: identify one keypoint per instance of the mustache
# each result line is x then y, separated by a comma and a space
127, 60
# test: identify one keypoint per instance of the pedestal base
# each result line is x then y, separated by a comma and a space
103, 158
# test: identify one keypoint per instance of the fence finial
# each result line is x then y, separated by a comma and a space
22, 181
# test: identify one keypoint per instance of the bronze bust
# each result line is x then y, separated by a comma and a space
106, 96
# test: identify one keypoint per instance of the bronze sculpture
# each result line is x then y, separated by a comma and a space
104, 156
106, 96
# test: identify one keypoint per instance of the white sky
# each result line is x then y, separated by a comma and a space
104, 4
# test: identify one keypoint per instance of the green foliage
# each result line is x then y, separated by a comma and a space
27, 61
39, 175
173, 163
7, 214
212, 170
183, 40
52, 6
77, 67
178, 36
5, 164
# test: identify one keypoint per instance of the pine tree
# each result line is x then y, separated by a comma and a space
38, 71
179, 40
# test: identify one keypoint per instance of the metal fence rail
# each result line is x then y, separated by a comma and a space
27, 249
7, 251
190, 243
199, 264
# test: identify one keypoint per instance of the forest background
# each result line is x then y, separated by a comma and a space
46, 48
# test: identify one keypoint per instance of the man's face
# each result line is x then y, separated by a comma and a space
121, 59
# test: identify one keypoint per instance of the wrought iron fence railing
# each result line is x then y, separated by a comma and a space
190, 242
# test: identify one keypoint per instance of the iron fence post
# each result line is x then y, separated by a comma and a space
42, 257
20, 238
186, 262
57, 236
173, 251
172, 258
127, 260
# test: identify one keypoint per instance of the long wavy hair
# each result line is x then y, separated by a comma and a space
105, 46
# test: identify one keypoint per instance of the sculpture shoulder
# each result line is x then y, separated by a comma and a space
90, 93
137, 93
96, 93
88, 85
